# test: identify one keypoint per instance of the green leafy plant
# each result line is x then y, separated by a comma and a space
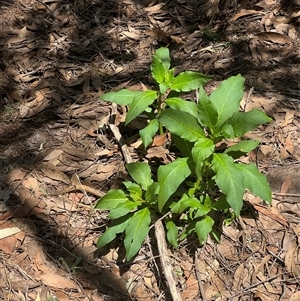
152, 103
205, 179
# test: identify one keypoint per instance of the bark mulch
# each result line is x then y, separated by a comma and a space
58, 156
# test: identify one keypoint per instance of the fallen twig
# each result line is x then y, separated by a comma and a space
198, 274
165, 261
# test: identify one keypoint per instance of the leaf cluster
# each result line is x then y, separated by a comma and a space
203, 179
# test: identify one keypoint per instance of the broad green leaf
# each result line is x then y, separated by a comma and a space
163, 87
140, 173
136, 232
183, 145
207, 113
112, 199
202, 149
189, 203
244, 146
256, 182
241, 148
169, 77
170, 176
172, 233
182, 124
123, 97
226, 131
149, 131
243, 122
206, 201
227, 97
192, 190
133, 188
230, 180
117, 226
123, 209
158, 69
201, 211
179, 104
161, 62
152, 193
175, 206
188, 81
203, 228
163, 53
139, 104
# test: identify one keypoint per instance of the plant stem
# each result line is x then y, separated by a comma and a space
197, 183
159, 110
161, 130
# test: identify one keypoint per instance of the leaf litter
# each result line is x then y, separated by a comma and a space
58, 157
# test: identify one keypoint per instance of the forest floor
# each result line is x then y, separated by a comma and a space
57, 157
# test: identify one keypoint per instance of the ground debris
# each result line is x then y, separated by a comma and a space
58, 153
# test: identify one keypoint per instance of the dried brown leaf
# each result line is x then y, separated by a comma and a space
274, 37
79, 153
39, 96
296, 14
144, 43
267, 285
286, 184
113, 281
106, 142
57, 281
53, 172
239, 276
8, 229
155, 8
259, 267
295, 296
31, 183
244, 13
18, 173
192, 288
96, 80
54, 154
65, 297
292, 33
8, 244
266, 3
208, 65
288, 119
272, 213
88, 171
289, 259
39, 259
267, 150
289, 145
86, 85
160, 140
157, 152
131, 35
177, 40
104, 152
158, 34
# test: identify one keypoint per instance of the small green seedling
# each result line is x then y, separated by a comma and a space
204, 179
